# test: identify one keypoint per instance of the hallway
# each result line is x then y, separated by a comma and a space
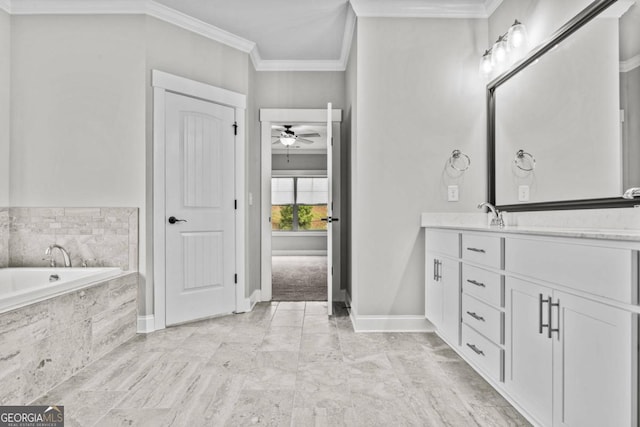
299, 278
284, 364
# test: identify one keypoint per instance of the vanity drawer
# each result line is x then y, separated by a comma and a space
482, 284
485, 250
584, 266
443, 242
483, 318
483, 353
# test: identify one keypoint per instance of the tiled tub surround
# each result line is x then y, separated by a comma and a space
43, 344
4, 237
107, 237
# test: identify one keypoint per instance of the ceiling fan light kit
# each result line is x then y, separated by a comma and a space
288, 137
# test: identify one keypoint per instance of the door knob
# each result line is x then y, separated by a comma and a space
330, 219
173, 220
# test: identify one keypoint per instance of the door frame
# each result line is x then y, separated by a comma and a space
269, 116
162, 83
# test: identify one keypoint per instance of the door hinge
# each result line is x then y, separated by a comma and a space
235, 204
235, 128
235, 278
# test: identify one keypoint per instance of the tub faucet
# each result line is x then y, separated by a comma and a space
631, 193
496, 218
65, 255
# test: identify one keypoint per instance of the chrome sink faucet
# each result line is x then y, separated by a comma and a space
63, 251
496, 218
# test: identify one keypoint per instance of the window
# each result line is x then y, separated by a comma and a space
299, 203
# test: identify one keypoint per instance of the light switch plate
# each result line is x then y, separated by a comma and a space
452, 193
523, 193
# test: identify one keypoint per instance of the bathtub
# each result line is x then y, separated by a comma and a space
22, 286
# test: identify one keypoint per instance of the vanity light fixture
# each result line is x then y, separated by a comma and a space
508, 47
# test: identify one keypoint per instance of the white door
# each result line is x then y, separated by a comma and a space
330, 218
200, 209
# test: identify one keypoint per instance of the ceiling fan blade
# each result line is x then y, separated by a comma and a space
308, 135
304, 141
280, 128
277, 141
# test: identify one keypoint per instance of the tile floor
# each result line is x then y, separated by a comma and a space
283, 364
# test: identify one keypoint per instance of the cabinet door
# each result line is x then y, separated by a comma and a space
594, 356
528, 353
433, 290
450, 283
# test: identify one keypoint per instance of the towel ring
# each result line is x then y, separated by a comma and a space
520, 157
457, 155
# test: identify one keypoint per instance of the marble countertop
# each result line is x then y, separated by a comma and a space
478, 222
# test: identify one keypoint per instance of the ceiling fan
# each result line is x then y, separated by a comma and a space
287, 136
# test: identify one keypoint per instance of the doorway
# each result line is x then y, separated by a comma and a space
292, 180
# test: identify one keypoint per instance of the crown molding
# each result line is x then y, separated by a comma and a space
194, 25
420, 9
630, 64
5, 5
347, 38
301, 65
491, 6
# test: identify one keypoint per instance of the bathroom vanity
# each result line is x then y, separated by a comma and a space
548, 316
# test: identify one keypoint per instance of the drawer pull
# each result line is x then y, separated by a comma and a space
475, 316
475, 349
474, 282
476, 250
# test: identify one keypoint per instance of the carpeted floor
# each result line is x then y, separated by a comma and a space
299, 278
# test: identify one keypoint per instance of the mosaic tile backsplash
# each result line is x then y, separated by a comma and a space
103, 237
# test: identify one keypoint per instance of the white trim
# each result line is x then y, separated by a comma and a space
321, 233
145, 324
163, 82
630, 64
255, 298
6, 6
300, 252
277, 173
302, 115
347, 38
267, 117
390, 323
418, 9
300, 65
196, 26
199, 90
491, 6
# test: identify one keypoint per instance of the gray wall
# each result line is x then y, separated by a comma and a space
84, 81
5, 105
419, 96
279, 162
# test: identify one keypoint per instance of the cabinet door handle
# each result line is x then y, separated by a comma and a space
475, 349
435, 270
540, 311
474, 282
551, 328
475, 316
438, 270
476, 250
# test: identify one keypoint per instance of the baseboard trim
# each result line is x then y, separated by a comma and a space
390, 323
299, 253
146, 324
255, 298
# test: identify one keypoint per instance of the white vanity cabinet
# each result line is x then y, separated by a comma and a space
551, 322
442, 291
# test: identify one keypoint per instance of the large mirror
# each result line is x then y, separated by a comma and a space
564, 123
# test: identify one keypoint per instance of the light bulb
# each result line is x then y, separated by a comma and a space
287, 140
499, 51
517, 35
486, 67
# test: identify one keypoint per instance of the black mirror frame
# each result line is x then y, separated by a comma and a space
582, 18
